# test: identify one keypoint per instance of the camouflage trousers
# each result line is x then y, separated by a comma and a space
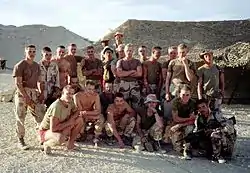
131, 92
98, 125
116, 85
222, 143
175, 135
151, 89
37, 110
155, 133
80, 76
125, 126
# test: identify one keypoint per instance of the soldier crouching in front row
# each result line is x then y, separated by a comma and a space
217, 130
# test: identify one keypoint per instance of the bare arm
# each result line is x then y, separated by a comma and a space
222, 82
145, 74
164, 74
199, 88
56, 126
158, 120
111, 121
168, 82
19, 86
188, 72
121, 73
77, 102
138, 72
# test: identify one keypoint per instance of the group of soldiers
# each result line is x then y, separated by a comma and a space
138, 102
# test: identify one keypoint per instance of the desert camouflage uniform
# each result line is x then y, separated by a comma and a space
98, 125
222, 138
50, 77
125, 126
155, 133
37, 110
131, 91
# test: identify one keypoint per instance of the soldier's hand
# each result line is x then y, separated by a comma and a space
41, 98
143, 139
29, 101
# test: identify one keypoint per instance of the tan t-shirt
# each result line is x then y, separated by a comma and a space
30, 73
58, 110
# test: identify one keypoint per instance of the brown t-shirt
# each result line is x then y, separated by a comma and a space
73, 63
178, 71
127, 65
30, 73
90, 64
153, 70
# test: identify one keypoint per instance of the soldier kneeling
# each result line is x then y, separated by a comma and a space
217, 131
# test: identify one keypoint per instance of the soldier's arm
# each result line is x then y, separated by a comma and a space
99, 70
111, 121
222, 81
145, 74
77, 102
168, 81
160, 79
188, 71
129, 109
138, 72
164, 74
19, 86
199, 87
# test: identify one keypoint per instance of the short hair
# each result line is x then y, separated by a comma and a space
128, 46
90, 47
61, 46
200, 101
90, 82
72, 45
143, 47
185, 87
118, 94
182, 46
156, 48
68, 87
30, 46
172, 48
46, 49
120, 46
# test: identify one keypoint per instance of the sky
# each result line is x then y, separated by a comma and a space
93, 19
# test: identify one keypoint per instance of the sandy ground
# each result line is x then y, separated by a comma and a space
106, 159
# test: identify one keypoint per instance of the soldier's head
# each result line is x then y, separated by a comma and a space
119, 99
151, 101
60, 51
120, 51
202, 107
107, 53
172, 52
118, 37
90, 87
207, 56
72, 49
30, 52
185, 93
156, 52
67, 93
46, 54
142, 51
91, 51
108, 87
182, 50
105, 42
75, 83
129, 50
